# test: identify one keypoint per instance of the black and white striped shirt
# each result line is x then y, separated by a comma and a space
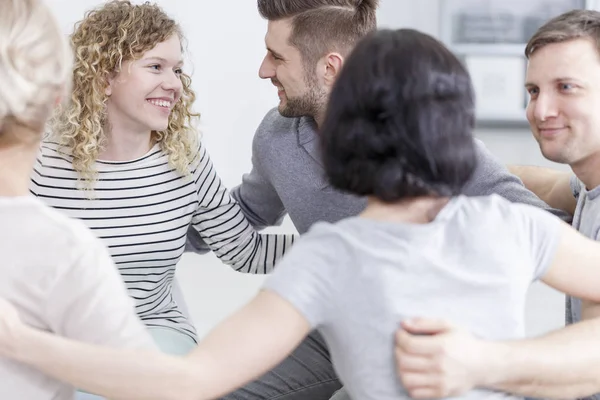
142, 209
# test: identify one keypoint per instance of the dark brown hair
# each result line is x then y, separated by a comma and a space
400, 119
321, 26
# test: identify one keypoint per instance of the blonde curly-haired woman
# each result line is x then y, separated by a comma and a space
123, 157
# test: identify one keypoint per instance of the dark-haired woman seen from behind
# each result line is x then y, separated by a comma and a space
398, 130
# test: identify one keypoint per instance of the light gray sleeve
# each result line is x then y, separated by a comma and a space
540, 232
306, 276
491, 176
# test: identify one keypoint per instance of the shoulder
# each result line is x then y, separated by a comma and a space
485, 158
324, 240
494, 211
52, 154
56, 235
490, 204
51, 148
74, 231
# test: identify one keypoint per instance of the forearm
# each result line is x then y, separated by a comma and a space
562, 364
589, 310
537, 179
112, 373
242, 348
550, 185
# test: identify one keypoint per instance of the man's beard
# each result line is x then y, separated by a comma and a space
309, 104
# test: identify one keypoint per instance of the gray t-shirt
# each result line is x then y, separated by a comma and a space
587, 221
355, 280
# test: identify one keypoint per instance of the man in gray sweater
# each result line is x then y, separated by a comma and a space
307, 42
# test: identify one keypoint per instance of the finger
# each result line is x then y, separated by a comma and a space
410, 363
426, 326
417, 345
427, 393
419, 380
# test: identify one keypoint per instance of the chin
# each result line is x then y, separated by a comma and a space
554, 155
283, 110
158, 127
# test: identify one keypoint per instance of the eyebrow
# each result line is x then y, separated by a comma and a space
555, 80
276, 54
162, 60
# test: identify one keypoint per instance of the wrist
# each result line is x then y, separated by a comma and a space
16, 341
497, 360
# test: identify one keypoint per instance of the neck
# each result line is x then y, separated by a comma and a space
420, 210
319, 118
123, 143
319, 115
18, 150
588, 170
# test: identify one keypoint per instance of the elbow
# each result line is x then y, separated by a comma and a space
252, 265
243, 268
252, 271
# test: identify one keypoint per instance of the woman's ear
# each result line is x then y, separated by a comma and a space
110, 81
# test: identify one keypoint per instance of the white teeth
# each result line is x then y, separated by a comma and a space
160, 103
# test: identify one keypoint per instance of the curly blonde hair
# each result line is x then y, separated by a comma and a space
109, 35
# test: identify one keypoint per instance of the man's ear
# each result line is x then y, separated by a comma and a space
333, 65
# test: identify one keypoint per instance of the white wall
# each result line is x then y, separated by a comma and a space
233, 100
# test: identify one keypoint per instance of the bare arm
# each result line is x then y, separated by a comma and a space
574, 271
562, 364
226, 359
493, 177
550, 185
559, 365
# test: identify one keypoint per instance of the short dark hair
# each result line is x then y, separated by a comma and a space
571, 25
399, 120
322, 26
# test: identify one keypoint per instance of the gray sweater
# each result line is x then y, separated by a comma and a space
288, 177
